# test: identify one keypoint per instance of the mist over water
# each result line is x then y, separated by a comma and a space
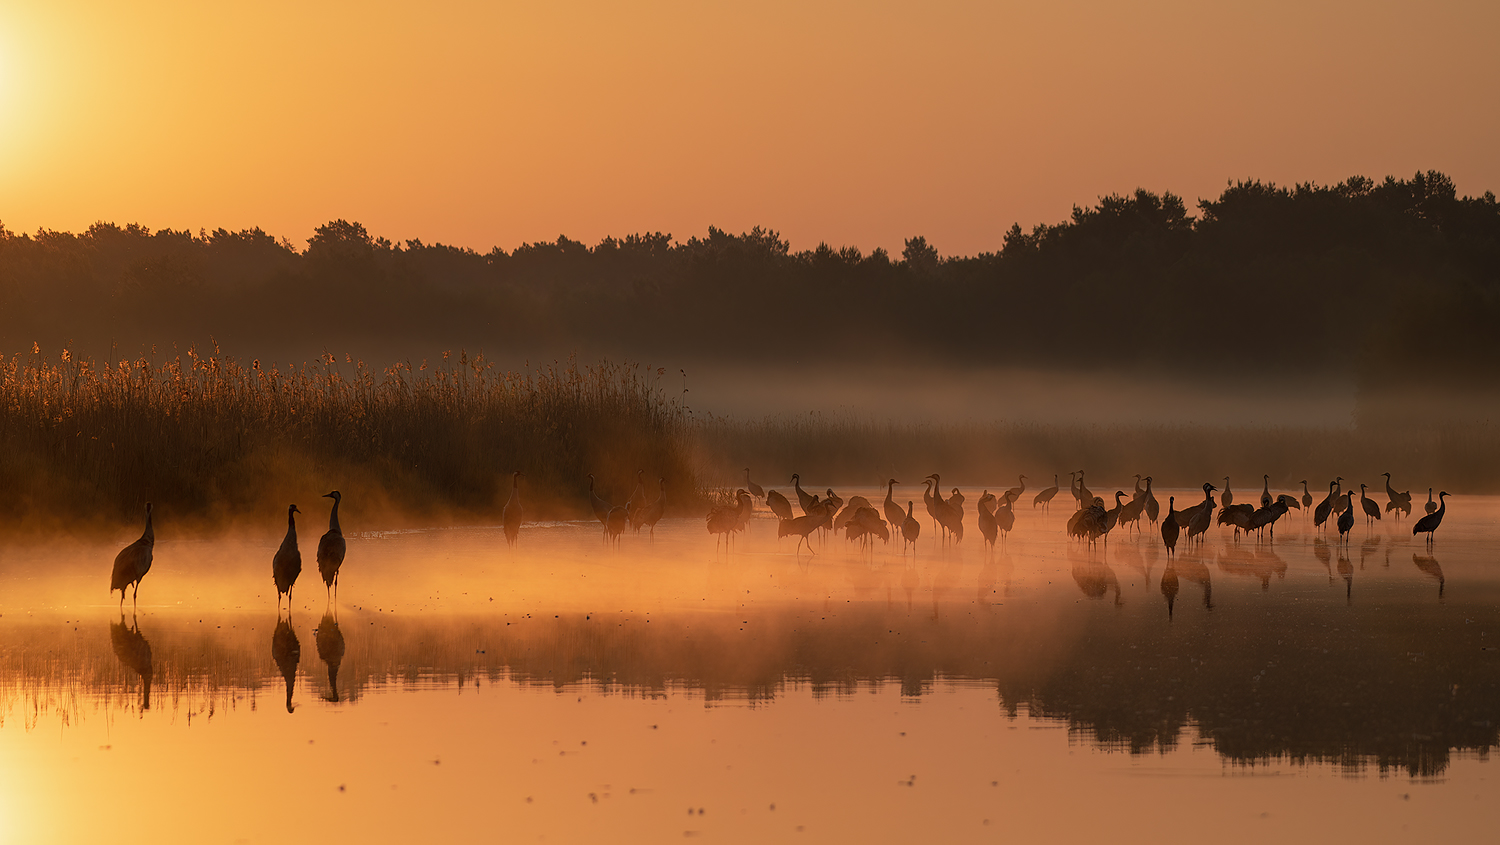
939, 394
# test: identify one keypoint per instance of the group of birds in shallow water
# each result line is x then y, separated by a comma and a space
1090, 522
861, 521
134, 561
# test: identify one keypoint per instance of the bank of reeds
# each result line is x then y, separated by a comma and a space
849, 449
208, 436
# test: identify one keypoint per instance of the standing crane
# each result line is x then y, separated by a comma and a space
1325, 507
1169, 527
1429, 523
893, 512
1152, 508
1014, 493
778, 505
601, 509
1346, 518
331, 547
132, 564
1265, 492
1306, 497
652, 513
1430, 507
911, 529
1398, 501
511, 517
755, 489
286, 564
1228, 497
1044, 498
1372, 510
803, 499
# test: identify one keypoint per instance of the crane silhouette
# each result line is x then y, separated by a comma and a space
1430, 507
637, 498
1325, 507
286, 564
778, 505
986, 518
1346, 518
911, 529
755, 489
801, 526
893, 512
331, 547
1429, 523
1228, 498
1153, 509
1265, 492
1085, 496
601, 509
1014, 493
1202, 517
1306, 497
804, 500
1044, 498
133, 562
1372, 510
653, 512
1170, 528
615, 523
513, 513
1400, 502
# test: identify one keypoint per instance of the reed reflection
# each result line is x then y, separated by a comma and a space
330, 642
287, 652
134, 652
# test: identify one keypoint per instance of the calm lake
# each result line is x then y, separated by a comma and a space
566, 691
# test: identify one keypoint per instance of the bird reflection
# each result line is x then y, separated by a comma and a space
1096, 579
1260, 564
287, 653
1197, 572
134, 652
1430, 566
330, 642
1370, 544
1322, 552
1169, 587
1346, 569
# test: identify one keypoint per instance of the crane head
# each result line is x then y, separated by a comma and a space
334, 496
293, 509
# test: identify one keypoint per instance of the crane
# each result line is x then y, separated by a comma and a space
511, 516
755, 489
1044, 498
1429, 523
1169, 527
286, 564
331, 547
132, 564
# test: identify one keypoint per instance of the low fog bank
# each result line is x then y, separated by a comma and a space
1067, 396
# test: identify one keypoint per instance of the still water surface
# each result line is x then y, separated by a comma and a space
565, 691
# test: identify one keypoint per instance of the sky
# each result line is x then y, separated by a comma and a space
864, 123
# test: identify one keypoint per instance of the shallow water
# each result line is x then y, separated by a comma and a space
566, 691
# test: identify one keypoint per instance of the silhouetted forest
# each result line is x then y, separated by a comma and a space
1379, 279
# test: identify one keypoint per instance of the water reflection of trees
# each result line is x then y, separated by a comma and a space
1397, 691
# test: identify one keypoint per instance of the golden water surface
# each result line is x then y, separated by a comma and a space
567, 691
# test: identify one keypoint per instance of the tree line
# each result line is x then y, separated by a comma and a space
1392, 281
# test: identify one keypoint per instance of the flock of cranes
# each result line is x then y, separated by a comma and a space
861, 521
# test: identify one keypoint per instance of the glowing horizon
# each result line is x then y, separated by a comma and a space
852, 124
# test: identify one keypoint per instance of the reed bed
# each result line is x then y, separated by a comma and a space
207, 435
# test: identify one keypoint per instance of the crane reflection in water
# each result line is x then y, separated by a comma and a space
134, 652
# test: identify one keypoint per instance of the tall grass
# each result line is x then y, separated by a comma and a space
209, 435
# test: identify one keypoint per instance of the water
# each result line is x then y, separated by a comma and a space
565, 691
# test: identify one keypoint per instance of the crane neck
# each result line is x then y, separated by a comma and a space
149, 535
333, 518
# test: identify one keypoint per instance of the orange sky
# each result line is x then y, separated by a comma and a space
486, 123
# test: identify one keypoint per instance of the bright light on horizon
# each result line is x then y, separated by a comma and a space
853, 124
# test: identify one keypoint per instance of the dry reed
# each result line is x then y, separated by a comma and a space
204, 434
